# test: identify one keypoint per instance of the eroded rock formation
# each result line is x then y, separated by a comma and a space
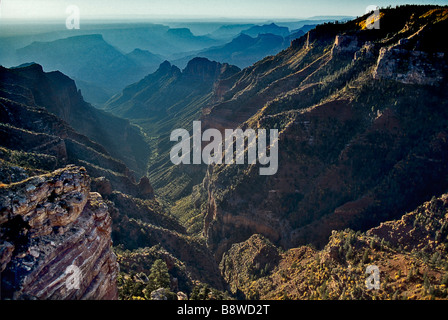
50, 226
410, 67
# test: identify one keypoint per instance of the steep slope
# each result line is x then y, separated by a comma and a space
88, 58
40, 142
362, 133
144, 98
146, 59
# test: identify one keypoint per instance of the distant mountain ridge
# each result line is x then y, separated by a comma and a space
250, 45
133, 52
90, 59
243, 50
105, 59
272, 28
145, 59
230, 31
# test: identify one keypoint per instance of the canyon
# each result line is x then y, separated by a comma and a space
361, 117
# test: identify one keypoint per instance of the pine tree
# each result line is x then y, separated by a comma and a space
365, 257
445, 279
158, 277
426, 282
349, 254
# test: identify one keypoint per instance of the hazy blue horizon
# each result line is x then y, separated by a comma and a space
156, 10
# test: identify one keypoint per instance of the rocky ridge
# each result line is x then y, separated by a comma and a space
30, 86
35, 120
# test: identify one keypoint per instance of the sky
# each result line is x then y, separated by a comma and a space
212, 9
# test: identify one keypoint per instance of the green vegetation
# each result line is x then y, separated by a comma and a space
307, 274
145, 270
139, 285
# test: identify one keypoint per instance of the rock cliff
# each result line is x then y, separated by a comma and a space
410, 67
50, 226
174, 99
346, 44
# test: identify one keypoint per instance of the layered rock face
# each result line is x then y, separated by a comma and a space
55, 239
410, 67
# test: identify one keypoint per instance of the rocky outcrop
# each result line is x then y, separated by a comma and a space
245, 261
56, 239
409, 66
345, 44
368, 50
202, 69
145, 190
417, 55
423, 229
